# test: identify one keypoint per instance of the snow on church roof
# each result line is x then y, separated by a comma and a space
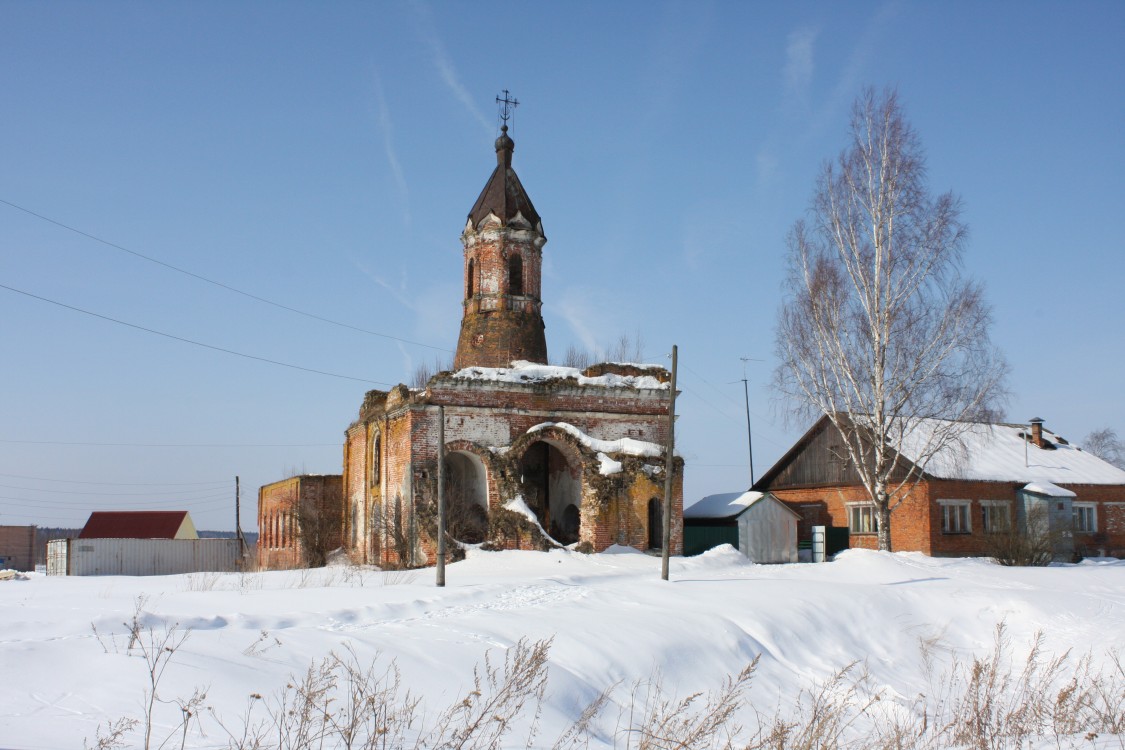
626, 446
530, 372
1000, 453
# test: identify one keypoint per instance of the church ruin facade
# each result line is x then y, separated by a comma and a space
536, 456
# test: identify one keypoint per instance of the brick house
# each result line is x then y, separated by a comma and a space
17, 547
536, 455
299, 521
1000, 475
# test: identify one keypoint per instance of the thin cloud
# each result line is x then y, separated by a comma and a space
798, 72
444, 64
387, 129
399, 292
852, 73
588, 312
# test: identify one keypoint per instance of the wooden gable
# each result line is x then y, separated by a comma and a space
818, 459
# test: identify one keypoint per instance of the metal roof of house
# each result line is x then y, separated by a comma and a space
727, 504
133, 524
1002, 452
988, 452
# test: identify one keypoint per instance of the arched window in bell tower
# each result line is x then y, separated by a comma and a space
515, 274
470, 281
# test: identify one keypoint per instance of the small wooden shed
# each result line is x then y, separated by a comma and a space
762, 527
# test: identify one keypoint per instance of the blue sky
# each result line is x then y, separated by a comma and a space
325, 156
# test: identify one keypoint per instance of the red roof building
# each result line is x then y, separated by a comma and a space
139, 524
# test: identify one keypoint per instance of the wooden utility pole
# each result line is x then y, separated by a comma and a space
669, 466
238, 515
441, 497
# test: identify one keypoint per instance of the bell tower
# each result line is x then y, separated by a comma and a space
503, 248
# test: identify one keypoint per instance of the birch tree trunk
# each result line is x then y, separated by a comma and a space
879, 332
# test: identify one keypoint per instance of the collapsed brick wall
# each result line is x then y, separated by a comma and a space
277, 539
282, 544
487, 420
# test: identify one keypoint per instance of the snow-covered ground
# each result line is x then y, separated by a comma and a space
66, 667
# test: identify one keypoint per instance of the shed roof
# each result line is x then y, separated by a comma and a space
133, 524
727, 505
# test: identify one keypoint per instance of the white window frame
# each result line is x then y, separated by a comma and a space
988, 523
861, 511
956, 517
1085, 509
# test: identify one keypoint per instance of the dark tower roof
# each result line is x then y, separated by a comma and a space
503, 195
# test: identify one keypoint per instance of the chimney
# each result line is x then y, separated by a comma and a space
1037, 431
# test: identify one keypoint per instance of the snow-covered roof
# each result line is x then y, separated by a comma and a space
626, 446
723, 505
530, 372
1048, 489
1000, 453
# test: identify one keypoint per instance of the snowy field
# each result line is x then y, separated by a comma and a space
66, 666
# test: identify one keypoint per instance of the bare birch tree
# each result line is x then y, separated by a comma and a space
1105, 444
879, 331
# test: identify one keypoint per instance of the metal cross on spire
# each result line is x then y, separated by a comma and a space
507, 105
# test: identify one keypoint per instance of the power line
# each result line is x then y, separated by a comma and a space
149, 493
171, 445
191, 341
118, 484
220, 284
217, 501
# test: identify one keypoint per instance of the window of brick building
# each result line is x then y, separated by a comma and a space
861, 519
515, 274
1086, 517
376, 445
470, 281
996, 515
956, 517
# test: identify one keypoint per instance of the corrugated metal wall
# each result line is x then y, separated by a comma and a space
141, 557
767, 532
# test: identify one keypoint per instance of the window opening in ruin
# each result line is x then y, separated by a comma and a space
375, 453
549, 485
655, 524
515, 274
470, 282
571, 523
466, 498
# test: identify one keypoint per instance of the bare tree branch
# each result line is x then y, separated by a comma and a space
879, 332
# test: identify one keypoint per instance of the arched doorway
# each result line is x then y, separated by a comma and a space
552, 489
466, 497
655, 524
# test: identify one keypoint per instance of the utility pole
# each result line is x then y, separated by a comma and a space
238, 515
669, 465
749, 434
441, 497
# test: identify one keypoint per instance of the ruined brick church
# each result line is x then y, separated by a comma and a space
537, 456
